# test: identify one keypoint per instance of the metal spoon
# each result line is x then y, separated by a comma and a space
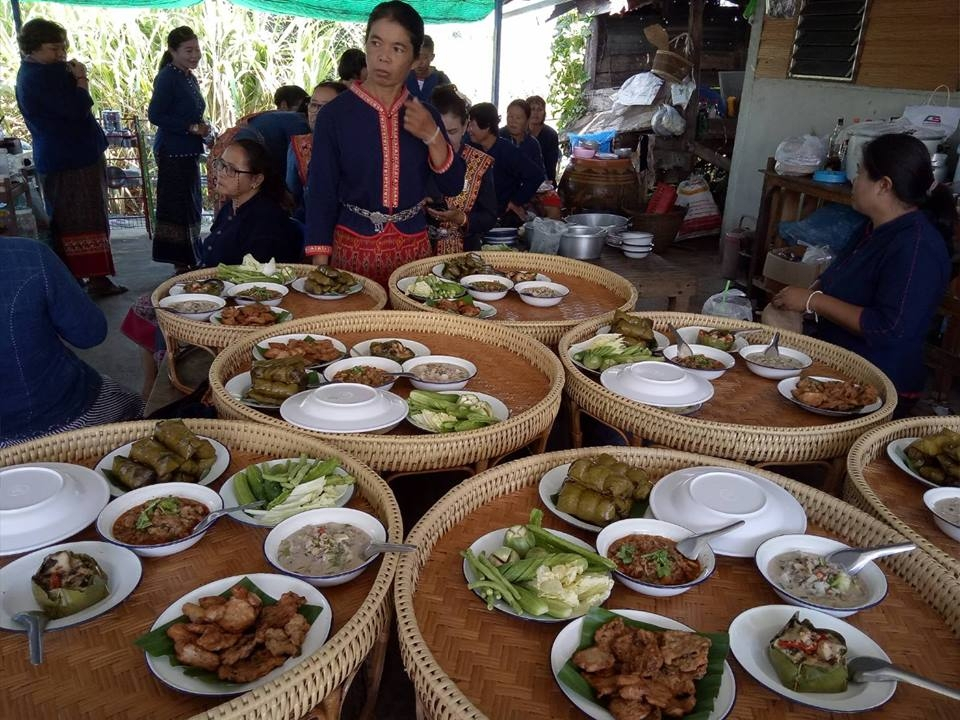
690, 547
683, 350
217, 514
773, 349
869, 669
34, 621
853, 560
377, 548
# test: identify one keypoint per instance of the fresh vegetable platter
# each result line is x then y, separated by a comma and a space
453, 411
250, 270
609, 349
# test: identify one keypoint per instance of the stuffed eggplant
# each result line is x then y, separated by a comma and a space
68, 582
809, 659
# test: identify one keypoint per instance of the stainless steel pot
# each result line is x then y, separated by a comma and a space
602, 220
582, 242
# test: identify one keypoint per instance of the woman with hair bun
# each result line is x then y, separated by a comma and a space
878, 298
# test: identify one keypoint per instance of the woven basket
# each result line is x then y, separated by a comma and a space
664, 226
217, 337
439, 694
670, 66
411, 453
873, 445
748, 443
302, 687
546, 331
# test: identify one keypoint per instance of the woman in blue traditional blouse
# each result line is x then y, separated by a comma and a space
516, 131
545, 135
177, 108
879, 297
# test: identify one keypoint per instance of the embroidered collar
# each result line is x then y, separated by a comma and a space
373, 102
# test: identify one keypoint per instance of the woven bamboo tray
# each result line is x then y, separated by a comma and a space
94, 671
593, 291
521, 372
746, 419
216, 337
468, 662
878, 486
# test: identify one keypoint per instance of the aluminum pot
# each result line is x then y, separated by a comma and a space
582, 242
601, 220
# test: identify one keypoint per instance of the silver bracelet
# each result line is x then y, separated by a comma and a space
432, 137
810, 310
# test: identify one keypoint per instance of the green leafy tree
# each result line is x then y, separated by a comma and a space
568, 72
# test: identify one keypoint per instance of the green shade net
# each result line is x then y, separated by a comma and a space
432, 11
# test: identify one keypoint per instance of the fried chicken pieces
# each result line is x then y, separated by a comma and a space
838, 395
237, 637
644, 675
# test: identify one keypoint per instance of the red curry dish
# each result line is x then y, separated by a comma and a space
653, 559
158, 521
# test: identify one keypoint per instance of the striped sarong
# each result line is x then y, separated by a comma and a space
176, 237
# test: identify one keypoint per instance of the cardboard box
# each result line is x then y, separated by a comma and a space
791, 272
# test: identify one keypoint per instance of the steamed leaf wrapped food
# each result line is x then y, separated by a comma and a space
67, 583
172, 454
636, 330
587, 504
132, 474
176, 436
155, 455
936, 457
809, 659
600, 489
273, 381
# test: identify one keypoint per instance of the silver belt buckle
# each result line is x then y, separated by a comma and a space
379, 220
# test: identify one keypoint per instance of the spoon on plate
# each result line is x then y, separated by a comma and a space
869, 669
853, 560
34, 621
377, 548
690, 547
683, 350
212, 517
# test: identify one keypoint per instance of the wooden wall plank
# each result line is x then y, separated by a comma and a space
776, 44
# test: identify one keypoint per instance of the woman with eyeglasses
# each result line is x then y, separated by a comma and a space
374, 149
53, 96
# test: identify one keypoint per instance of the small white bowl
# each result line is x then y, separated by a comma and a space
385, 364
872, 576
191, 491
345, 516
636, 254
775, 373
486, 295
670, 353
636, 239
245, 288
437, 386
523, 287
931, 497
643, 526
171, 301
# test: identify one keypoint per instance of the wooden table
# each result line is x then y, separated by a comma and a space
179, 331
747, 419
654, 277
878, 486
468, 662
93, 670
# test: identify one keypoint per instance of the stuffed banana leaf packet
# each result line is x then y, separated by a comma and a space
67, 583
635, 330
273, 381
809, 659
600, 489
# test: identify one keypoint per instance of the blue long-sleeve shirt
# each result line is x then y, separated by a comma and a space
260, 227
175, 105
432, 81
897, 273
550, 149
528, 147
276, 127
58, 115
515, 177
42, 307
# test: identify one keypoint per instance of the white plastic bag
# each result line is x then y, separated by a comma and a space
543, 235
731, 304
800, 155
667, 121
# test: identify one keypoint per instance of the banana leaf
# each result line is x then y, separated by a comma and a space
707, 687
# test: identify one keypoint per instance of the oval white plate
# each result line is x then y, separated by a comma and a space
438, 271
230, 497
403, 284
273, 585
662, 340
767, 509
752, 630
222, 463
281, 315
362, 349
292, 413
87, 493
550, 485
122, 567
785, 388
896, 451
238, 385
490, 542
568, 641
701, 393
500, 410
300, 286
178, 290
261, 347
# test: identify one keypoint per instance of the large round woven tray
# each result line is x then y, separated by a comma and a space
521, 372
878, 486
746, 419
593, 291
216, 337
468, 662
93, 670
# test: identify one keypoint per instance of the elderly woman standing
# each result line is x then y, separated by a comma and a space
177, 108
68, 146
545, 135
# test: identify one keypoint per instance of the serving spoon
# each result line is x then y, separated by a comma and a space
870, 669
853, 560
773, 349
212, 517
34, 621
377, 548
690, 547
683, 350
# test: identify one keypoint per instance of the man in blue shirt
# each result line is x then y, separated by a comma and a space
424, 78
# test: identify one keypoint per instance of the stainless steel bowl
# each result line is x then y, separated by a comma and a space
604, 220
589, 144
623, 152
582, 242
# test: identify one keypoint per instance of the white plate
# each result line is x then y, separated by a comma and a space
703, 498
230, 497
752, 630
362, 349
896, 451
486, 311
689, 334
273, 585
178, 290
122, 567
264, 345
568, 641
238, 385
500, 410
662, 340
300, 286
578, 347
76, 505
293, 414
490, 542
786, 386
281, 315
550, 485
701, 390
403, 284
222, 463
438, 271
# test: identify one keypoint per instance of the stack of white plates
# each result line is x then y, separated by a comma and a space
344, 408
659, 384
636, 245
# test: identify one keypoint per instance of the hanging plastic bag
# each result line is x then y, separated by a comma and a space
800, 155
667, 121
730, 304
